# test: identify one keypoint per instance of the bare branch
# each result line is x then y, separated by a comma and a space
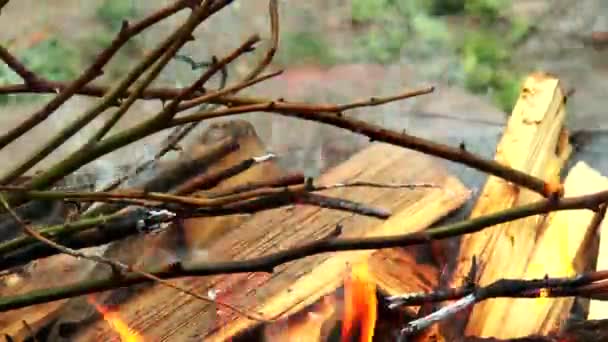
26, 74
67, 90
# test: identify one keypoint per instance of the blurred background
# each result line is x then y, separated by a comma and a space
476, 52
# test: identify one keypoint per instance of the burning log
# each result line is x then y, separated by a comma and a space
534, 142
293, 286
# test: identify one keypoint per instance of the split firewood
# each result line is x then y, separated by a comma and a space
293, 286
561, 251
599, 309
534, 142
582, 331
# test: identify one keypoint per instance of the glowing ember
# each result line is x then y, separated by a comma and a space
116, 323
360, 305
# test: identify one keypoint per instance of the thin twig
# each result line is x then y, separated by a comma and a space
145, 198
209, 180
273, 9
172, 108
439, 315
366, 184
28, 76
342, 204
210, 97
283, 181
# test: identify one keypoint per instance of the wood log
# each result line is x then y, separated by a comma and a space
555, 254
166, 314
598, 309
534, 142
583, 331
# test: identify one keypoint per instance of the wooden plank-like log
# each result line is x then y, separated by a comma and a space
555, 255
534, 142
582, 331
598, 310
164, 314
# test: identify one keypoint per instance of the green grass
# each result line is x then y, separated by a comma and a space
113, 12
305, 47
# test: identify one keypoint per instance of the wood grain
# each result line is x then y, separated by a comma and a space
163, 314
534, 142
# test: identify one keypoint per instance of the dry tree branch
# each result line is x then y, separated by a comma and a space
212, 96
354, 184
148, 127
119, 268
300, 192
28, 76
379, 133
268, 262
157, 60
283, 181
171, 109
208, 180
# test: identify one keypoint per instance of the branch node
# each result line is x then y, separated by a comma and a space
124, 27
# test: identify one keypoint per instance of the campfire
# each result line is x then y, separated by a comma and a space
224, 243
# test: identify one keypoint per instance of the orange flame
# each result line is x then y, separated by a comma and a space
360, 305
116, 323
